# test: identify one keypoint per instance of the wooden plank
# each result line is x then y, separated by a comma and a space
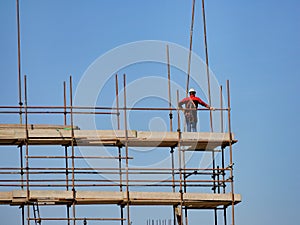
192, 200
193, 140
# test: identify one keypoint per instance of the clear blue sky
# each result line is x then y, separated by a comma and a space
255, 44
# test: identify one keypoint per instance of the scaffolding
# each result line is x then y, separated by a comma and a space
73, 185
181, 187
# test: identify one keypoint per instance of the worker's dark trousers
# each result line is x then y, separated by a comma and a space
191, 126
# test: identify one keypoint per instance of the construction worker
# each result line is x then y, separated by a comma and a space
191, 104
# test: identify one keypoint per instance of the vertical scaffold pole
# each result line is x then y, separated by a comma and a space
171, 126
27, 151
207, 64
231, 154
22, 180
180, 220
66, 150
191, 46
126, 148
169, 89
119, 147
173, 180
65, 104
214, 184
19, 58
73, 151
117, 102
223, 158
20, 98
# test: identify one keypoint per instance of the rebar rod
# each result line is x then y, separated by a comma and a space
19, 58
117, 102
190, 49
65, 104
207, 65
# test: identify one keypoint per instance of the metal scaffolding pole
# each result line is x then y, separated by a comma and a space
169, 90
65, 104
119, 147
191, 46
20, 96
126, 148
27, 150
222, 153
179, 218
73, 151
207, 65
117, 102
230, 152
66, 150
19, 58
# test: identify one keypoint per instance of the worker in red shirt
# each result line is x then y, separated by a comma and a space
191, 104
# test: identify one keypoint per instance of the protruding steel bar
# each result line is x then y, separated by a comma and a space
169, 90
117, 102
230, 151
191, 46
221, 107
207, 64
126, 149
19, 58
65, 104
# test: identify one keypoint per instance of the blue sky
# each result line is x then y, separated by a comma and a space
255, 44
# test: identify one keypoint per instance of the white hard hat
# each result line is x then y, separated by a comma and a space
192, 90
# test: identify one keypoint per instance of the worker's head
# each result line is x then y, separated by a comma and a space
192, 91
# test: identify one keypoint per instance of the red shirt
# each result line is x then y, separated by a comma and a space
191, 102
195, 99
